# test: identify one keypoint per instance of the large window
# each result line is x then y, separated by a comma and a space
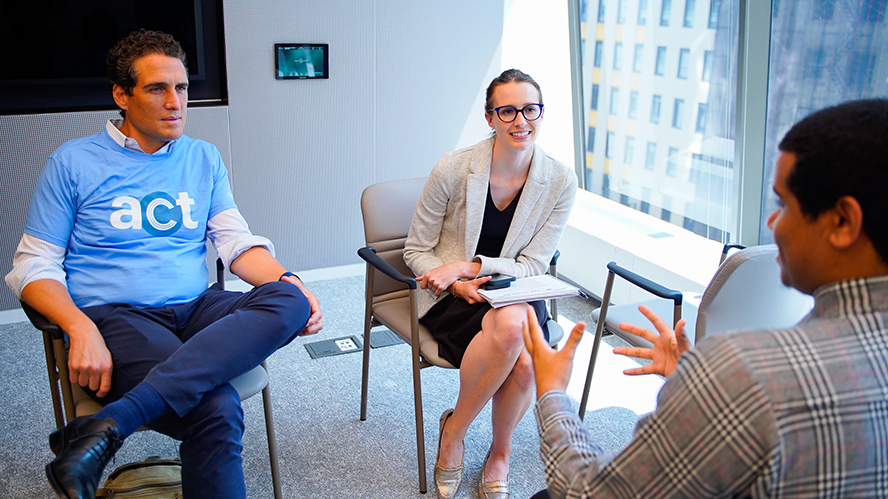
821, 53
686, 103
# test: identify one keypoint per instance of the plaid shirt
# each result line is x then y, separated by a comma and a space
801, 412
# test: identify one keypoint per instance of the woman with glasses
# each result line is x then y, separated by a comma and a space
498, 207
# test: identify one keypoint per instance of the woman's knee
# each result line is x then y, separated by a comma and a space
522, 374
506, 327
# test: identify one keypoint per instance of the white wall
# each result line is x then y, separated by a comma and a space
407, 82
404, 83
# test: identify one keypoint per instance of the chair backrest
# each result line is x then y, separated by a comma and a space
387, 209
746, 293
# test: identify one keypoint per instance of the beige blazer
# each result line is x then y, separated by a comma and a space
447, 222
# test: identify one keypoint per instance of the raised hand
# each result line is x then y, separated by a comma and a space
669, 344
551, 368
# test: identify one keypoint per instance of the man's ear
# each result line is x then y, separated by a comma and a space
846, 222
120, 97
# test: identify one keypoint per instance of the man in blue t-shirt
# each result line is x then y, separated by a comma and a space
114, 252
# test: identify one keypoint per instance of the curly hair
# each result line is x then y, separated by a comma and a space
840, 151
121, 60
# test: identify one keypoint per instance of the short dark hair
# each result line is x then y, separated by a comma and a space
840, 151
122, 58
509, 76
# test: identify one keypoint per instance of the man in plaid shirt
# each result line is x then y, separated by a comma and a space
799, 412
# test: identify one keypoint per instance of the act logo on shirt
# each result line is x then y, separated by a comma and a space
158, 213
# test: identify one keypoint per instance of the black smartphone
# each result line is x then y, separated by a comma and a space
498, 281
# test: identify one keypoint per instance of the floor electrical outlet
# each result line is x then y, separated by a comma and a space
348, 344
326, 348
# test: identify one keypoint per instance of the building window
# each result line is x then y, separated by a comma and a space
590, 144
642, 12
599, 46
701, 118
636, 60
707, 65
633, 105
813, 63
660, 67
672, 162
601, 11
823, 10
666, 212
683, 56
650, 156
873, 11
621, 11
618, 56
655, 109
595, 89
611, 145
861, 72
677, 112
629, 154
615, 95
714, 5
665, 7
689, 13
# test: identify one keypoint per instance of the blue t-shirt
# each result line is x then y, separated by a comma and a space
133, 224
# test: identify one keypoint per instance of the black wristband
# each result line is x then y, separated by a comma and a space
285, 274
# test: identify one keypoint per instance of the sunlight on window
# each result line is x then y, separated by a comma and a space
682, 86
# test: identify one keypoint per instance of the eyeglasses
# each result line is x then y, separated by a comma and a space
507, 114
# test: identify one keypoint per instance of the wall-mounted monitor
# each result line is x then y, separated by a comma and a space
54, 52
299, 61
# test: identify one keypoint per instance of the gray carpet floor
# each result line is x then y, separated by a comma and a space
325, 450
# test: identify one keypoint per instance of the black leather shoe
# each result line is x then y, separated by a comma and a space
84, 447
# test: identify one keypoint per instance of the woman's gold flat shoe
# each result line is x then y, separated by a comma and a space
447, 480
494, 489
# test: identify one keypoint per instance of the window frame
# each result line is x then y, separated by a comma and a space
754, 37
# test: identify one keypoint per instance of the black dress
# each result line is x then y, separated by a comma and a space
453, 321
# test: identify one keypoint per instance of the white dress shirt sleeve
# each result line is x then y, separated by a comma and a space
35, 259
230, 235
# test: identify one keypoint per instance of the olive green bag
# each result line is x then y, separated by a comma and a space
154, 477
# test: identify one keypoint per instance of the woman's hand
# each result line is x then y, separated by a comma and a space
468, 290
441, 278
668, 345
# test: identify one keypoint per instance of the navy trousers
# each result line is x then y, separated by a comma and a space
188, 353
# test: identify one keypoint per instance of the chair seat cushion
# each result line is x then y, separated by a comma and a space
247, 384
393, 314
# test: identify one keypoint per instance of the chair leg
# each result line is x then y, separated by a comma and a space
53, 380
599, 331
420, 433
61, 358
365, 368
368, 318
272, 439
417, 392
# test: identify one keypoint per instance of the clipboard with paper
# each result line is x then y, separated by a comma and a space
525, 289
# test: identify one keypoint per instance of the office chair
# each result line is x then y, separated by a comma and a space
387, 209
745, 293
70, 401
